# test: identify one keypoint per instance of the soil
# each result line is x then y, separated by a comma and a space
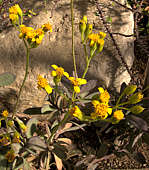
86, 140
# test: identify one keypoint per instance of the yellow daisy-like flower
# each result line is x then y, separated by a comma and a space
101, 110
77, 82
5, 113
10, 155
118, 115
76, 112
47, 27
104, 95
59, 72
43, 83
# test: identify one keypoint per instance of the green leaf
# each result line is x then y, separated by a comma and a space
47, 108
109, 19
31, 127
6, 79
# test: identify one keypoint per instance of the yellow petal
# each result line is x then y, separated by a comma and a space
66, 74
101, 90
54, 66
95, 102
77, 89
53, 73
110, 111
48, 89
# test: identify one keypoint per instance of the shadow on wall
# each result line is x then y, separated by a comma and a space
80, 5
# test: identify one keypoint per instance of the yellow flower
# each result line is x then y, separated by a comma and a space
14, 11
102, 35
43, 83
5, 113
101, 110
76, 112
77, 82
135, 98
10, 156
59, 72
14, 18
47, 27
96, 42
16, 138
118, 115
94, 39
5, 140
104, 95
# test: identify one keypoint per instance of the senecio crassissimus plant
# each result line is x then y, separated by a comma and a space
69, 101
32, 39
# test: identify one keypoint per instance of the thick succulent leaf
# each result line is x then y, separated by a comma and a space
138, 122
91, 84
59, 163
123, 86
146, 138
22, 164
47, 108
3, 162
16, 147
33, 111
6, 79
36, 143
60, 151
139, 157
31, 127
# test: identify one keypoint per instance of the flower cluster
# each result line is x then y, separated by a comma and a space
96, 40
10, 155
14, 13
32, 36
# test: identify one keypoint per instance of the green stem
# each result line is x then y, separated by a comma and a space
25, 77
73, 50
57, 127
115, 107
87, 65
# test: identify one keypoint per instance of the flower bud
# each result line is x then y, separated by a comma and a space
21, 124
93, 49
88, 30
136, 109
130, 89
135, 98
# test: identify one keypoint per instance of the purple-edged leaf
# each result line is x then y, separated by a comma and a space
138, 122
91, 84
123, 86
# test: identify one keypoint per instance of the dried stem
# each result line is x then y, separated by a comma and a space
114, 41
